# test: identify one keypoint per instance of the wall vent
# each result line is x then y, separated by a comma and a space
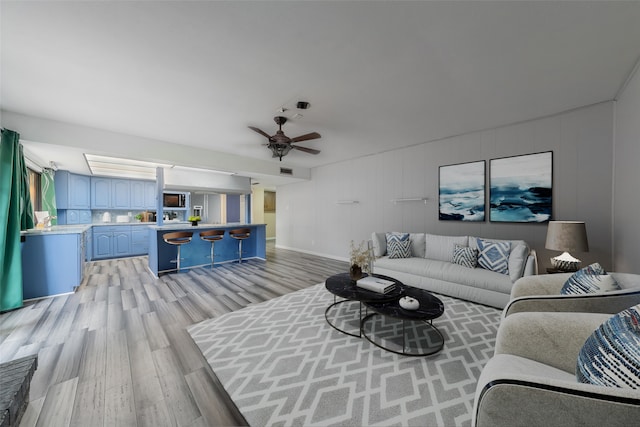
286, 171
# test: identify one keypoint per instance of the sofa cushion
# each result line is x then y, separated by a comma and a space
493, 255
417, 244
399, 249
441, 247
611, 355
517, 260
379, 241
591, 279
517, 257
465, 256
448, 272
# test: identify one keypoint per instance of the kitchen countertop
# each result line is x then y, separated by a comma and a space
111, 224
57, 229
188, 226
81, 228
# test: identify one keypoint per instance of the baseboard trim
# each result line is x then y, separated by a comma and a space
337, 258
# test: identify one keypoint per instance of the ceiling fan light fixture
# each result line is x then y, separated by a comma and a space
279, 149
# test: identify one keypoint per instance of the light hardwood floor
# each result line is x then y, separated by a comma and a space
116, 352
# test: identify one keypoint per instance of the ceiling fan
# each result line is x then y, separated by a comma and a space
280, 144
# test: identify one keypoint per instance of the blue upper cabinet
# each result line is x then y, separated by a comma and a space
113, 193
121, 194
100, 193
72, 191
150, 195
143, 194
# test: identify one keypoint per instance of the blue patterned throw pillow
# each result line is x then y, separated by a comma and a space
591, 279
467, 257
399, 249
494, 255
611, 355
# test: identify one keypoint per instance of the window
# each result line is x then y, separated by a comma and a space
35, 190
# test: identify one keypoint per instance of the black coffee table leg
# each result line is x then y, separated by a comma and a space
326, 316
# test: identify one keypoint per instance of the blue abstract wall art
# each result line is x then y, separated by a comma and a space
462, 192
521, 188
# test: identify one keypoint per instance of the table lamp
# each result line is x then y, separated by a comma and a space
566, 236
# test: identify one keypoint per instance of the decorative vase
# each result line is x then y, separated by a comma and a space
355, 272
194, 223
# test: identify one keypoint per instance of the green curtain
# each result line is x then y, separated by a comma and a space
49, 193
16, 213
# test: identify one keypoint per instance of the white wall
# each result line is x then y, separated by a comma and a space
309, 219
626, 200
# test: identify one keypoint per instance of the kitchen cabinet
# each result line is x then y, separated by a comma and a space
52, 263
139, 240
100, 193
143, 195
120, 194
124, 194
111, 241
72, 191
74, 216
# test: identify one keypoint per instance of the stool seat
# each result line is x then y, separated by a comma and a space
212, 236
178, 238
240, 234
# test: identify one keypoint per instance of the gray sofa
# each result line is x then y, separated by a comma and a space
542, 293
430, 267
531, 379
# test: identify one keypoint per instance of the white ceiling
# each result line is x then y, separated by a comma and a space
378, 75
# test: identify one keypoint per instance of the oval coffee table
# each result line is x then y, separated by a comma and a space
341, 285
401, 331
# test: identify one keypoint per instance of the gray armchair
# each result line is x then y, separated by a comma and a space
542, 293
531, 381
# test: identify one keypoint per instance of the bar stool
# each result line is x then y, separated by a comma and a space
240, 234
212, 236
178, 238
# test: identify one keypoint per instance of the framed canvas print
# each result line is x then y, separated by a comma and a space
462, 192
521, 188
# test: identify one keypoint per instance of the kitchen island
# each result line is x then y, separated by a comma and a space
53, 260
197, 252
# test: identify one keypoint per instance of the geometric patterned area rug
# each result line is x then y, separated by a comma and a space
283, 365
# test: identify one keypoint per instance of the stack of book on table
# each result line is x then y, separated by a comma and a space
376, 284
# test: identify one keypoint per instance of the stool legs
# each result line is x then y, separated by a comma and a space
240, 251
178, 259
212, 252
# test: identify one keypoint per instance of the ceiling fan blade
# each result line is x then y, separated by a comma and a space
260, 131
306, 137
306, 150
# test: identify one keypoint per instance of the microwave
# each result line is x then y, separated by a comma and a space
174, 200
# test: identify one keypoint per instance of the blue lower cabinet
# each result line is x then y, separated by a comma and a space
111, 241
102, 244
88, 242
52, 264
122, 243
139, 240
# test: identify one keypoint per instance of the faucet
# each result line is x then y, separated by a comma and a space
47, 220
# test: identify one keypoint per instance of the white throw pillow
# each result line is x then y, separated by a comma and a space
417, 244
379, 241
